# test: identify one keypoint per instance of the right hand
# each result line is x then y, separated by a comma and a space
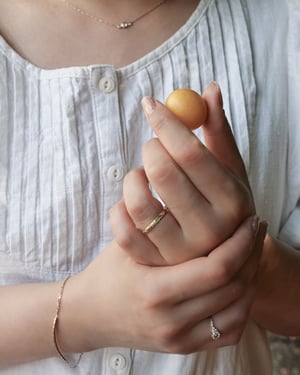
205, 188
119, 302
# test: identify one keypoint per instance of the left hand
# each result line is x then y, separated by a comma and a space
164, 309
205, 189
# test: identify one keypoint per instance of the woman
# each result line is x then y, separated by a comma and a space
72, 128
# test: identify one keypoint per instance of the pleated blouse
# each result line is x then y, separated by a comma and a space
68, 136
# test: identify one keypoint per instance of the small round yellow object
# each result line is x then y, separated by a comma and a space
188, 106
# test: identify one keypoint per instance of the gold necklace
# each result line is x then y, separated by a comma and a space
119, 26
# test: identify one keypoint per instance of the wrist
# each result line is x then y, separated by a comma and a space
70, 330
278, 277
84, 315
55, 329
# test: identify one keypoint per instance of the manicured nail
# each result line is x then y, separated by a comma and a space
219, 92
148, 104
216, 85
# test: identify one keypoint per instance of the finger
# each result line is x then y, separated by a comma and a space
216, 183
218, 135
143, 208
202, 226
131, 240
197, 223
178, 324
139, 199
170, 182
199, 308
190, 333
230, 323
232, 320
204, 274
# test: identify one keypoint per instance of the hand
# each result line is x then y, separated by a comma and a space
205, 189
119, 302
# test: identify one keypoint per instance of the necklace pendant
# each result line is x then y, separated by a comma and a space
124, 25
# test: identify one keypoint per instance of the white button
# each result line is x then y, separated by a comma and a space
107, 84
115, 173
117, 362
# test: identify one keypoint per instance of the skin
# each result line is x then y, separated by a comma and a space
278, 274
175, 303
207, 199
85, 42
176, 299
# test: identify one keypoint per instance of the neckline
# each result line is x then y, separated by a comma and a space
127, 70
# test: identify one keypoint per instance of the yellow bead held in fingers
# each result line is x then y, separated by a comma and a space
188, 106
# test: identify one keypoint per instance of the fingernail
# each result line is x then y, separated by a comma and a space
218, 91
264, 225
216, 85
148, 104
255, 223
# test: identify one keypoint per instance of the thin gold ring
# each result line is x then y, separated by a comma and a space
156, 220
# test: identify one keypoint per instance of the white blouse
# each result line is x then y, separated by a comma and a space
69, 135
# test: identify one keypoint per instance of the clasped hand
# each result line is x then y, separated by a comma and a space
199, 261
205, 189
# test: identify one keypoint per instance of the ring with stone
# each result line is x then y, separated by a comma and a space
214, 332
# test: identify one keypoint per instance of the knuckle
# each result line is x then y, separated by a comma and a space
125, 239
168, 337
161, 172
139, 211
222, 273
191, 152
158, 122
240, 202
152, 295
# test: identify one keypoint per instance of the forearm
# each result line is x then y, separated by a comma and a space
26, 317
277, 306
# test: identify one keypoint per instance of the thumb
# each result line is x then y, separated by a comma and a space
218, 135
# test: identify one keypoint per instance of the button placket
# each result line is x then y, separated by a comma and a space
107, 79
110, 143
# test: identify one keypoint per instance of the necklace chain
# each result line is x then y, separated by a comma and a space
120, 26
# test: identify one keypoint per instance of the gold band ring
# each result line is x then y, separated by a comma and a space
214, 332
156, 220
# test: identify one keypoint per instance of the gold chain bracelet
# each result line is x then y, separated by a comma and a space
54, 327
